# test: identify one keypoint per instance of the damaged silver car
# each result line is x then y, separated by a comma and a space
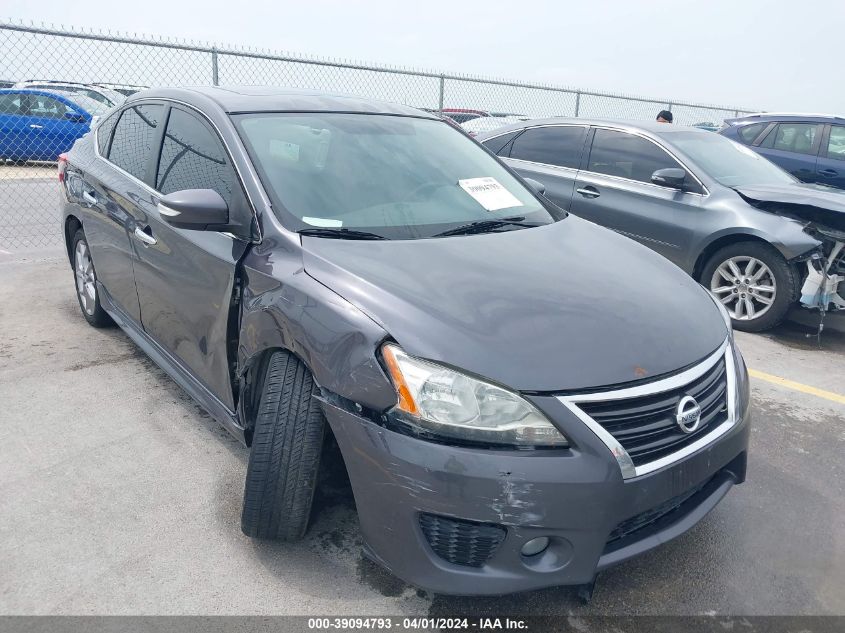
759, 239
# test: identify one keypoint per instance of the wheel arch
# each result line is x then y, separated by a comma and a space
336, 342
71, 226
726, 240
250, 380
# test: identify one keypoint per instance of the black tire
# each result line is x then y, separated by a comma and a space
785, 276
92, 310
285, 458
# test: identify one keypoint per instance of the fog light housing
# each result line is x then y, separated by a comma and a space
535, 546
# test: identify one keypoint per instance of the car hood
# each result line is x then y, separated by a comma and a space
804, 202
566, 306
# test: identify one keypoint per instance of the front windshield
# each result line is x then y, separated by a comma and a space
114, 96
397, 177
727, 162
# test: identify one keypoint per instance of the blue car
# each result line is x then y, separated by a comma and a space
809, 146
41, 124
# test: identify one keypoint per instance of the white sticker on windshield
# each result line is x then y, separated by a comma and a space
489, 193
324, 222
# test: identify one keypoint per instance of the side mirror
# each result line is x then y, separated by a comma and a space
75, 117
195, 209
672, 177
538, 187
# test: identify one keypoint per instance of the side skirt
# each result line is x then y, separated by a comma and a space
180, 375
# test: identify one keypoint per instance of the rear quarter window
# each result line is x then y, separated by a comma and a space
104, 131
498, 143
748, 133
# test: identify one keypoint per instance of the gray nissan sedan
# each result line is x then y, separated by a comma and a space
743, 227
521, 398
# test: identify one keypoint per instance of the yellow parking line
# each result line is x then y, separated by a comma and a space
797, 386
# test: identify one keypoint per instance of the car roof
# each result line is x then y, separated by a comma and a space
55, 82
64, 96
651, 127
270, 99
787, 116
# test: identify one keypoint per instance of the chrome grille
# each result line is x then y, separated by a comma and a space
646, 426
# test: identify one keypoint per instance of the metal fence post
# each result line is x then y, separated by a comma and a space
440, 100
577, 103
215, 79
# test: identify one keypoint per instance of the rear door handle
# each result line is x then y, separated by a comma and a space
828, 172
145, 238
588, 192
35, 126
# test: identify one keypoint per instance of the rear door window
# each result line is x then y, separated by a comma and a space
192, 157
799, 138
558, 145
134, 134
617, 153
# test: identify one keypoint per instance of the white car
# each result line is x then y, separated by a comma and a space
489, 123
106, 96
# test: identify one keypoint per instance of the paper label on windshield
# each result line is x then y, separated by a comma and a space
489, 193
323, 222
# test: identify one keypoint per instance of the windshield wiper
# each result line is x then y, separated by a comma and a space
342, 234
484, 226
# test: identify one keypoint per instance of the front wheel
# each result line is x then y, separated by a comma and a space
754, 282
285, 457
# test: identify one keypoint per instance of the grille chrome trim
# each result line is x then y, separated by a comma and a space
626, 464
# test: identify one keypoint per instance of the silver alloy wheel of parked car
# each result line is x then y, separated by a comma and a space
86, 285
746, 286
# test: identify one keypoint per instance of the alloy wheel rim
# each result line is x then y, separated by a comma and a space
86, 286
745, 286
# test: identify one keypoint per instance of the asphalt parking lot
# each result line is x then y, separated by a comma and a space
119, 495
29, 211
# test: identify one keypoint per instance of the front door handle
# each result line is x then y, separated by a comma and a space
35, 126
145, 238
829, 172
588, 192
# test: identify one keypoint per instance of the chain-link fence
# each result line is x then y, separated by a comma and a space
75, 76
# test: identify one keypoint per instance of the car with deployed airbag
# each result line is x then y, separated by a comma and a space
318, 269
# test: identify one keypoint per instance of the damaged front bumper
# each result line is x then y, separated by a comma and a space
821, 212
456, 520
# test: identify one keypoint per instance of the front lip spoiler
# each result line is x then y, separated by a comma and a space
626, 464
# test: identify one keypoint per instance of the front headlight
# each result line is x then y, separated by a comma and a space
449, 404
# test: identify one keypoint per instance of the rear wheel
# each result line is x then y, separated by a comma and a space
285, 455
754, 282
86, 283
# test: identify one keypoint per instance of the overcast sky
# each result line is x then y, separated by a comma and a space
748, 53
